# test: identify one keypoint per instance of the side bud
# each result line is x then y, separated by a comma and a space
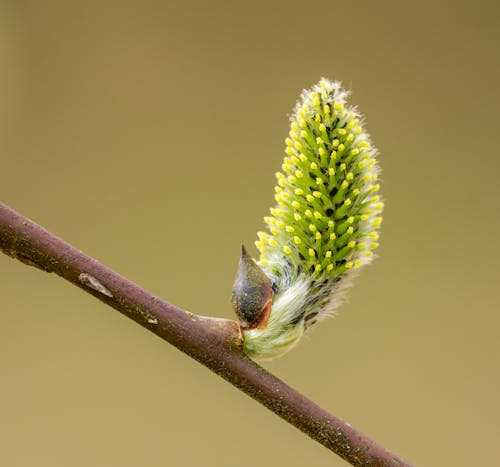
252, 294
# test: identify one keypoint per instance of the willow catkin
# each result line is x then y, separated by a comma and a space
323, 228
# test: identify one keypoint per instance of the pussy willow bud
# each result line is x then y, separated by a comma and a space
324, 226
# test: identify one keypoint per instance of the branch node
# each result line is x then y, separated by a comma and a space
28, 261
93, 283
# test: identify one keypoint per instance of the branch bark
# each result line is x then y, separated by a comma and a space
214, 342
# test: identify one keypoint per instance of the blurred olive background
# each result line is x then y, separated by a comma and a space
147, 134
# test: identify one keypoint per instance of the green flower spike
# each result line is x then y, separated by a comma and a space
322, 230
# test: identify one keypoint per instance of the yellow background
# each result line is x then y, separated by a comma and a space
147, 134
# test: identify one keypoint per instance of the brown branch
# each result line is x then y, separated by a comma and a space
216, 343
